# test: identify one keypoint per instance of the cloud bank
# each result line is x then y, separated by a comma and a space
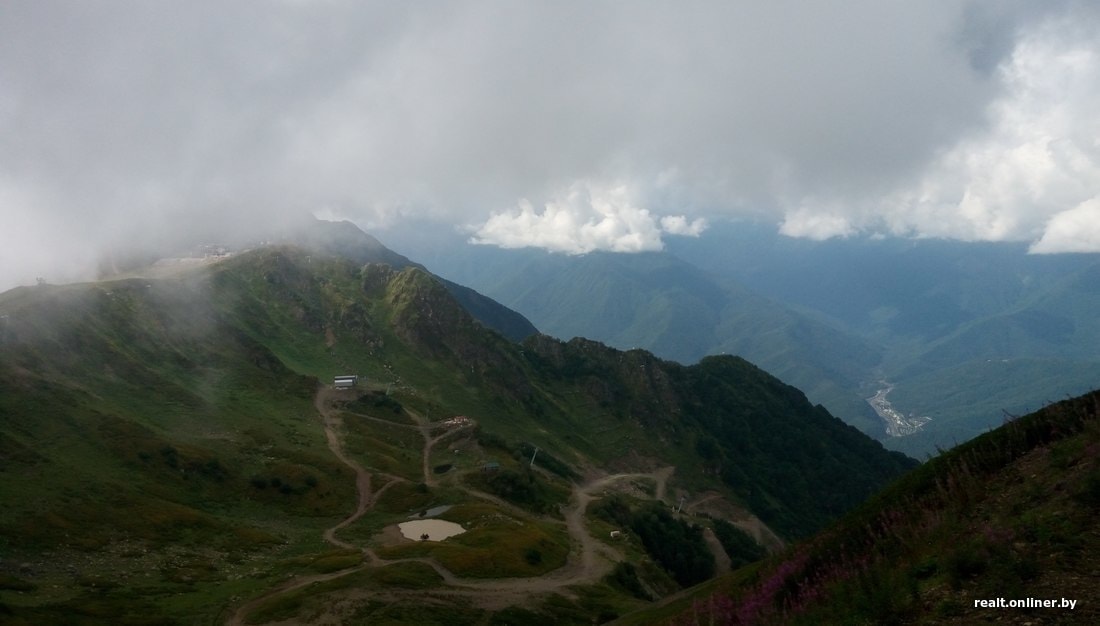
588, 218
126, 121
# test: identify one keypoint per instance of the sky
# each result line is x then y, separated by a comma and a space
571, 126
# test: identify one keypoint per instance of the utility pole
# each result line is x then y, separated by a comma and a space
533, 456
681, 506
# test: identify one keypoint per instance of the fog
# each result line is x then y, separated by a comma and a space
569, 126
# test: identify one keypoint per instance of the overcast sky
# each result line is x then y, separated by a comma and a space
573, 126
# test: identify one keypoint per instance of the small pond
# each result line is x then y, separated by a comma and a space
435, 529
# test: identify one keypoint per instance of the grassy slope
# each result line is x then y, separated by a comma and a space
134, 421
1009, 515
935, 310
347, 241
661, 304
1039, 350
961, 400
939, 308
166, 428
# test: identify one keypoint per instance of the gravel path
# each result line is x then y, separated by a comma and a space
589, 560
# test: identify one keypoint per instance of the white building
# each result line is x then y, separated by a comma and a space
346, 382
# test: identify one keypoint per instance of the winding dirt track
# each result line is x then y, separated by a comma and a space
426, 428
333, 424
588, 561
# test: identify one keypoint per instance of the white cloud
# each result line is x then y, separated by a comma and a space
1020, 177
679, 225
1075, 230
817, 225
954, 119
586, 218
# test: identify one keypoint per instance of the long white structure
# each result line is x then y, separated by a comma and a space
345, 382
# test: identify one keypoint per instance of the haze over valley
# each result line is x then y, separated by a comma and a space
951, 338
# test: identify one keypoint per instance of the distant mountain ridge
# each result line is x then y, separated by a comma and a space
964, 333
660, 303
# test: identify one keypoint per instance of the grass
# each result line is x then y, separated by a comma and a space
309, 600
173, 420
522, 487
405, 576
14, 583
1009, 514
982, 395
327, 562
495, 545
390, 449
426, 611
591, 604
380, 405
154, 485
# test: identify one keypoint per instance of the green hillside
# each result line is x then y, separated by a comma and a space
968, 331
347, 241
962, 333
1010, 515
171, 453
659, 303
1040, 350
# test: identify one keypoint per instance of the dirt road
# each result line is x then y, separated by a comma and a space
589, 560
426, 427
333, 426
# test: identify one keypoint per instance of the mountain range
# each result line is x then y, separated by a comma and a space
957, 336
174, 451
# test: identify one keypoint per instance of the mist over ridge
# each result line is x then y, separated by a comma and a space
621, 127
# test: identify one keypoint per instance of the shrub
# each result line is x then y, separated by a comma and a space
676, 545
522, 488
532, 556
1089, 495
625, 577
739, 546
964, 563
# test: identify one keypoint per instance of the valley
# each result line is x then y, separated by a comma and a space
170, 455
687, 314
897, 424
965, 333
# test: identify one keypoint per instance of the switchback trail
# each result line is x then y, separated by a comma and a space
426, 427
588, 561
333, 425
